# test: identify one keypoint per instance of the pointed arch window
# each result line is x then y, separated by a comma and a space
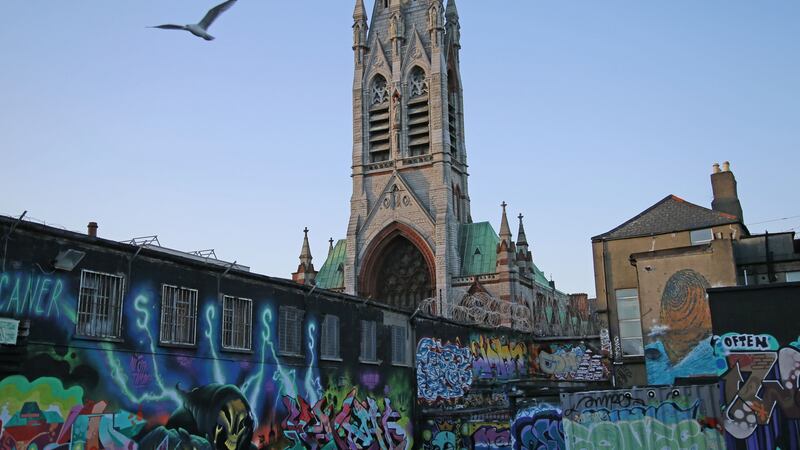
379, 146
418, 113
452, 112
457, 203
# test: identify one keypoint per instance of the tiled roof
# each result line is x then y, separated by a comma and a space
331, 275
478, 248
667, 216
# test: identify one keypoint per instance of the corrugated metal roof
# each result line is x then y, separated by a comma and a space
478, 248
331, 275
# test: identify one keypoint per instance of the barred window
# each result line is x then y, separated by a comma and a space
330, 337
289, 330
178, 315
237, 323
368, 341
100, 305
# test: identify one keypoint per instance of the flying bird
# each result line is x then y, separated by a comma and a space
201, 29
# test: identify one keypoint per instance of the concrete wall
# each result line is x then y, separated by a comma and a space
676, 320
613, 270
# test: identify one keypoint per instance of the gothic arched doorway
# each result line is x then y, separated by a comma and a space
398, 269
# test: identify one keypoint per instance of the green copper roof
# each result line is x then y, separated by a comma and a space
478, 248
539, 277
331, 275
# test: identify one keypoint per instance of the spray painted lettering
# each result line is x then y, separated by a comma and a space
358, 424
444, 371
28, 294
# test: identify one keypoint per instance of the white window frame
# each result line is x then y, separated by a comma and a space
329, 338
237, 323
694, 236
369, 342
178, 315
619, 295
290, 320
101, 297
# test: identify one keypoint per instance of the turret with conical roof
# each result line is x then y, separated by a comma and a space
524, 257
506, 250
305, 270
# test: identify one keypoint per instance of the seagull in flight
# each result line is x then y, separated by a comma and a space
201, 29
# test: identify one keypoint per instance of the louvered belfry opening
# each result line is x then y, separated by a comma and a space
452, 117
418, 114
379, 145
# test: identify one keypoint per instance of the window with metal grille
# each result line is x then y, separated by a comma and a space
178, 315
100, 305
290, 320
237, 323
368, 341
330, 337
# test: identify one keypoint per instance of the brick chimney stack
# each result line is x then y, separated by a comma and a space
723, 185
92, 229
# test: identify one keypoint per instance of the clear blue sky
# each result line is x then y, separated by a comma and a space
579, 114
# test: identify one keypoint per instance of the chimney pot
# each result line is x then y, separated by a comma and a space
716, 168
92, 227
726, 166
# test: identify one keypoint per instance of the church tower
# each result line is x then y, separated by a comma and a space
409, 166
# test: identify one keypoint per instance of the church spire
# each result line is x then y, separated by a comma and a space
506, 251
521, 238
360, 32
360, 13
452, 10
524, 257
505, 230
453, 27
305, 270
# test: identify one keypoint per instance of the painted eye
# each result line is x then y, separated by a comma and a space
651, 394
676, 392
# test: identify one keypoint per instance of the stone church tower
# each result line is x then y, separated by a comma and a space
409, 159
411, 241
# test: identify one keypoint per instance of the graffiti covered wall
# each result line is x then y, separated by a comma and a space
647, 418
678, 339
454, 370
757, 355
136, 393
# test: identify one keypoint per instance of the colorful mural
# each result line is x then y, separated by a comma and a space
538, 428
679, 344
641, 419
444, 371
760, 382
459, 434
571, 362
498, 358
137, 394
